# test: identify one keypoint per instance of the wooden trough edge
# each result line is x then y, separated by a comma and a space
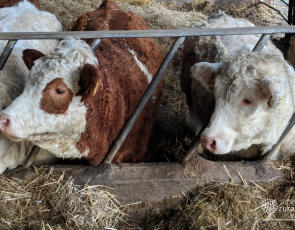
149, 182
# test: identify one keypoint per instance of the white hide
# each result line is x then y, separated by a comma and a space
65, 62
24, 17
241, 74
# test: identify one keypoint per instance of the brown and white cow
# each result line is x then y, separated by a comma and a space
21, 17
75, 102
250, 95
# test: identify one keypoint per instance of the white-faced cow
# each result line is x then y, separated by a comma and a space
21, 17
253, 97
76, 102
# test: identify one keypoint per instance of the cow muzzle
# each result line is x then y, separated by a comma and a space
6, 127
216, 144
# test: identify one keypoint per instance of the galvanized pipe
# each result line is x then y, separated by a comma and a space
6, 53
275, 9
95, 44
285, 2
148, 33
261, 43
270, 153
147, 94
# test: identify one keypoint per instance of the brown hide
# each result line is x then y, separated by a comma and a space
8, 3
114, 91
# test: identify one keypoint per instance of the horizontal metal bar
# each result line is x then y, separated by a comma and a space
261, 43
275, 9
147, 94
285, 2
6, 53
149, 33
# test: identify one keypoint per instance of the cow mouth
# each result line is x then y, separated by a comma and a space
14, 138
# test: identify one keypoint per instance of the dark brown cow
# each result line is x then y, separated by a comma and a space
113, 55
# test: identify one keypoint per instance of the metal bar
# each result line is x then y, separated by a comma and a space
275, 9
261, 43
6, 53
285, 2
147, 94
282, 137
95, 44
149, 33
290, 12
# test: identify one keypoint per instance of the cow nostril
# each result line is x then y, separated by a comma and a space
214, 142
5, 122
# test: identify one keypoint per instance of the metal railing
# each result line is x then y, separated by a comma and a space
180, 33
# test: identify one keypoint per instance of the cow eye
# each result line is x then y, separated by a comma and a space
247, 101
59, 91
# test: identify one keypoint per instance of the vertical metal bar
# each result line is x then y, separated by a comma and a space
261, 43
6, 53
290, 12
147, 94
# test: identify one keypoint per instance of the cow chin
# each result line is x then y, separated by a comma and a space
223, 148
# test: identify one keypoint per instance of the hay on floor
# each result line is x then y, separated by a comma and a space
48, 201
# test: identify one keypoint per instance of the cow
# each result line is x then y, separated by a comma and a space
21, 17
242, 99
76, 101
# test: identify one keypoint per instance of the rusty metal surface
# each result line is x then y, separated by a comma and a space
149, 33
156, 181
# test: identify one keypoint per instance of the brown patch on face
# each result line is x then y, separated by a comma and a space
31, 55
56, 97
8, 3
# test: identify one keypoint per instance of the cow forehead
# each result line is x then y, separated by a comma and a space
63, 62
246, 70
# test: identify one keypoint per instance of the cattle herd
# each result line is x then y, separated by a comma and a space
73, 102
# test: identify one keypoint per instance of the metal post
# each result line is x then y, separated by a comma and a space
147, 94
285, 2
270, 153
261, 43
95, 44
290, 12
275, 9
6, 53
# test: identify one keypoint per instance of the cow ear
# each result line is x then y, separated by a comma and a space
273, 89
206, 73
88, 80
31, 55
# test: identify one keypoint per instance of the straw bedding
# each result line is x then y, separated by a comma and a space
48, 201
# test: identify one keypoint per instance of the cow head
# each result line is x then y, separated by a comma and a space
49, 103
250, 89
